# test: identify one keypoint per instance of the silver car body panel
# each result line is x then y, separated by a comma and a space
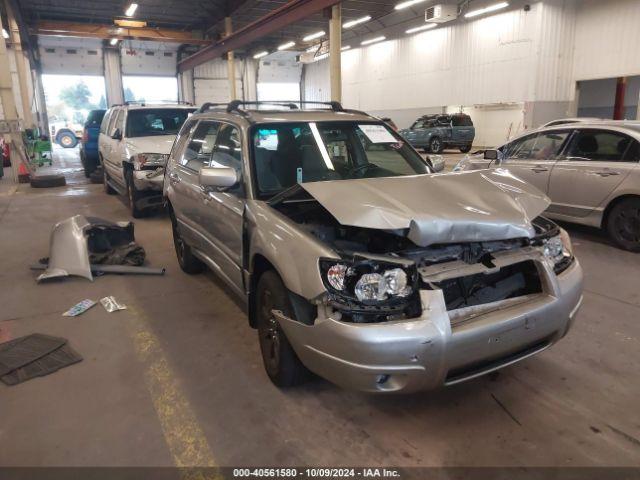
468, 207
68, 251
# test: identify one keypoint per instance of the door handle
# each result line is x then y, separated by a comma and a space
539, 169
174, 178
604, 173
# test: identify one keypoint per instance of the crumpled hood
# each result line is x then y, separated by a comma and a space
457, 207
152, 144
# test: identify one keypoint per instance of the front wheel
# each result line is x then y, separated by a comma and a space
435, 145
465, 148
280, 361
187, 261
133, 195
623, 224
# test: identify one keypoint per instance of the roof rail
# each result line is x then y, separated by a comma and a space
234, 105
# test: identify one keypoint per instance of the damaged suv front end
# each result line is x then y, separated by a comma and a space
358, 262
434, 298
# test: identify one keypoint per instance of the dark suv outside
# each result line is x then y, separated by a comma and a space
434, 133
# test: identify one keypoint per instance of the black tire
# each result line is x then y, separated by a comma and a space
108, 189
133, 195
280, 360
466, 148
66, 139
187, 261
623, 224
436, 145
47, 181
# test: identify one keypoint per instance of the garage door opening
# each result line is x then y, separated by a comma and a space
69, 99
150, 89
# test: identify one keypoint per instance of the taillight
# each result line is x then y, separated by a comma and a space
85, 135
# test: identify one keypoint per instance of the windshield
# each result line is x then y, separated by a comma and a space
147, 122
288, 153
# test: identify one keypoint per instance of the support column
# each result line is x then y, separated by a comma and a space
335, 53
231, 62
618, 107
113, 76
14, 34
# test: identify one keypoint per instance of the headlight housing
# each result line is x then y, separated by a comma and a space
362, 281
143, 161
558, 251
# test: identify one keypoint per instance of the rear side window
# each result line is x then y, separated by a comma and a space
602, 145
461, 121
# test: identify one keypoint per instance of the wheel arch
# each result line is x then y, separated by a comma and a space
612, 204
259, 264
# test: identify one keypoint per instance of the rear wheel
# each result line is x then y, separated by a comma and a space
623, 224
465, 148
188, 263
67, 140
280, 360
435, 145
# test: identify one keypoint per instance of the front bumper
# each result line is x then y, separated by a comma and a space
149, 179
428, 352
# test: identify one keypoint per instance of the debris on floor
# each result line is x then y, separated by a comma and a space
84, 246
79, 308
111, 305
34, 355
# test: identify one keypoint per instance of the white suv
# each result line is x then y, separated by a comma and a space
134, 144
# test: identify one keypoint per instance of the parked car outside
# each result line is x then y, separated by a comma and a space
434, 133
355, 260
89, 143
134, 143
64, 133
590, 171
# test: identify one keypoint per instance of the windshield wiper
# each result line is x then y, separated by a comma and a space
364, 167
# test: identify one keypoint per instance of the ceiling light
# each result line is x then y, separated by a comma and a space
5, 34
284, 46
313, 36
490, 8
261, 54
131, 10
346, 47
114, 41
373, 40
357, 21
408, 3
421, 28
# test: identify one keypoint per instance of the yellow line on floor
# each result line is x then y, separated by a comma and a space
182, 432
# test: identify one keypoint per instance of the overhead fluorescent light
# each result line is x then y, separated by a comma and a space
261, 54
346, 47
490, 8
284, 46
422, 27
357, 21
373, 40
5, 34
131, 10
114, 41
313, 36
408, 3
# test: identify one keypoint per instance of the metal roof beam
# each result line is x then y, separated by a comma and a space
289, 13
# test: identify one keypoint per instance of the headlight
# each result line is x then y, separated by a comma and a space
558, 250
150, 160
368, 281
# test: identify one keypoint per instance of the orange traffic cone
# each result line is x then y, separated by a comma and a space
23, 174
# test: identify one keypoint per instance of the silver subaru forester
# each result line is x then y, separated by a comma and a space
357, 262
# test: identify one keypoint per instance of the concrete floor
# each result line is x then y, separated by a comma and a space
177, 378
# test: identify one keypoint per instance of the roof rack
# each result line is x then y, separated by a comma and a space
234, 105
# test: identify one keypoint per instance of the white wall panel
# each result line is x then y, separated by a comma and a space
71, 56
316, 82
211, 82
607, 39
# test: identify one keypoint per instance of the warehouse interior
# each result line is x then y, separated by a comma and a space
173, 379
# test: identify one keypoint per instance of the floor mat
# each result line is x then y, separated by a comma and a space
21, 351
60, 358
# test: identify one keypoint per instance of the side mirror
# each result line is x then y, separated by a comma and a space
117, 135
437, 162
491, 154
218, 177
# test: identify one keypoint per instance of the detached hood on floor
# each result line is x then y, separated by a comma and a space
451, 208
